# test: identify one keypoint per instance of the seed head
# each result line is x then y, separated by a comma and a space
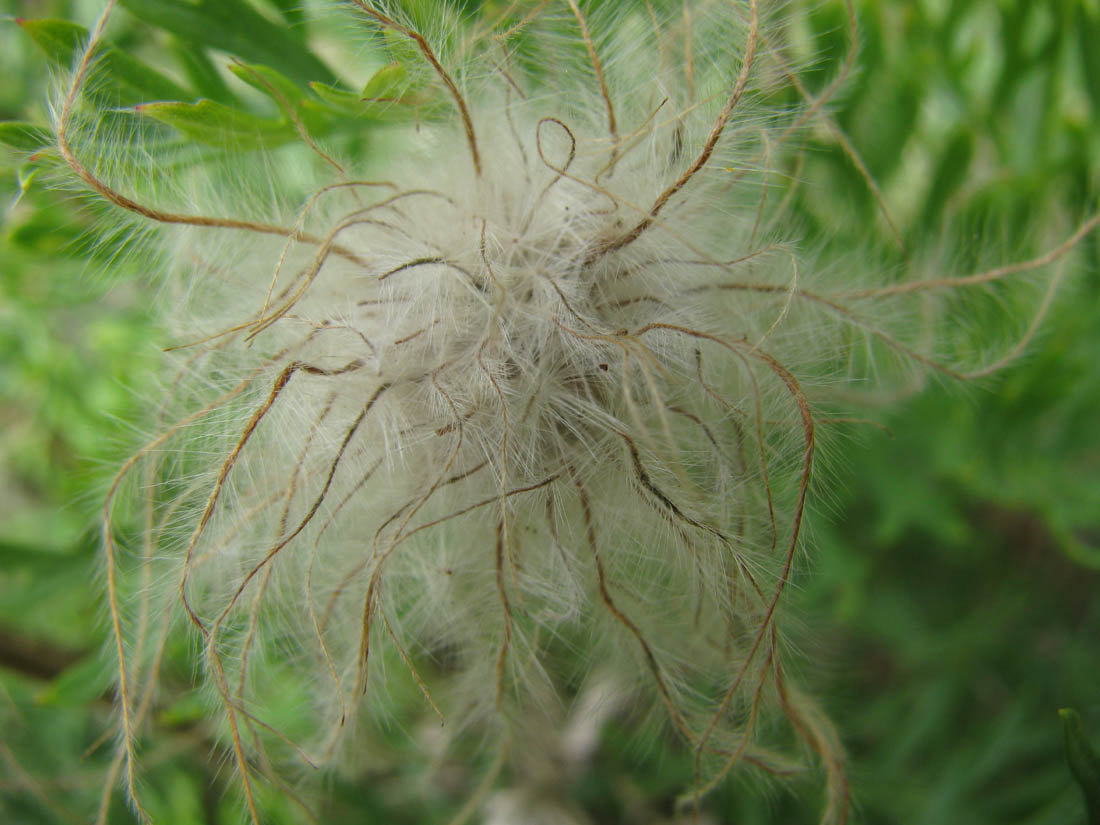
522, 405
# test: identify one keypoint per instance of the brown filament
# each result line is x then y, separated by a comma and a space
612, 128
708, 147
448, 81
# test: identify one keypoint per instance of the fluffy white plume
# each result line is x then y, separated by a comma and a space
520, 406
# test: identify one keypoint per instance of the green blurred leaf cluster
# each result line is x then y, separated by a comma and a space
1083, 762
303, 94
953, 582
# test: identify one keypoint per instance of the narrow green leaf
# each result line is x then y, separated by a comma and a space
25, 176
278, 87
128, 78
45, 233
219, 125
390, 83
382, 109
1087, 27
235, 27
58, 39
1079, 543
288, 95
1084, 764
338, 98
403, 50
949, 172
886, 121
14, 555
186, 710
141, 81
202, 73
77, 685
26, 137
291, 10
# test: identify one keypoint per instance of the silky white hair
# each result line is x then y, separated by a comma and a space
524, 400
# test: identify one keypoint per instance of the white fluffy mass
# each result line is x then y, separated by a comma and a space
514, 407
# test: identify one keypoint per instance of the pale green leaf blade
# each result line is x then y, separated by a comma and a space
116, 72
218, 125
1084, 763
25, 137
237, 28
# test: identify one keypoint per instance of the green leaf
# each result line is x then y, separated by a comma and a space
393, 83
338, 98
128, 78
1087, 27
142, 82
58, 39
187, 710
949, 173
385, 98
885, 121
389, 83
26, 137
77, 685
291, 10
218, 125
44, 232
277, 86
25, 176
1077, 542
43, 558
1084, 764
235, 27
201, 72
288, 95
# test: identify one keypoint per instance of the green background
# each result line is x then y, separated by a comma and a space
948, 600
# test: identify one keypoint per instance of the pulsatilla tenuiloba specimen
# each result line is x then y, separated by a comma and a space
521, 400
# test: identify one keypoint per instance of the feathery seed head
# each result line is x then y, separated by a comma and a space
515, 408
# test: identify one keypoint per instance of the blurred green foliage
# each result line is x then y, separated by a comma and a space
1083, 762
954, 568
